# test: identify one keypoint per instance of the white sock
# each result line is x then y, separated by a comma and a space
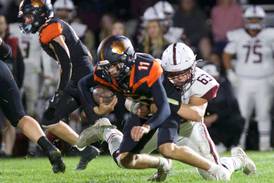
213, 168
264, 142
114, 138
232, 163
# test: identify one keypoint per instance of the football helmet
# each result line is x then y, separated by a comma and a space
33, 14
254, 18
179, 63
151, 14
164, 7
64, 4
64, 9
118, 51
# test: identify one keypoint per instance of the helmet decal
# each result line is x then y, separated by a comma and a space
37, 3
118, 47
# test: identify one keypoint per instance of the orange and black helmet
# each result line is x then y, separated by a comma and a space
115, 50
39, 11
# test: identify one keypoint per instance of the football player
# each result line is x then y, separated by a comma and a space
60, 42
12, 107
253, 70
139, 76
188, 90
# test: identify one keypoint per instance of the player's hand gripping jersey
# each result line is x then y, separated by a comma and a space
254, 54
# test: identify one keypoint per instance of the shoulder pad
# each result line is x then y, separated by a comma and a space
145, 71
204, 86
51, 31
144, 56
235, 34
268, 33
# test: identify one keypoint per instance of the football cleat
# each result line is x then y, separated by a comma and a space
219, 173
88, 154
249, 167
93, 133
163, 171
56, 161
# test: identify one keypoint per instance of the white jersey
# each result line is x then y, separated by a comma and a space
31, 50
254, 55
204, 86
174, 34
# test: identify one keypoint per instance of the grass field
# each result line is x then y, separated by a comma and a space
103, 169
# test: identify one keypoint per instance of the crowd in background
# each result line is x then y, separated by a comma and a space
201, 24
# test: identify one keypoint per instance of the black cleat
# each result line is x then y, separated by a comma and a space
88, 154
56, 161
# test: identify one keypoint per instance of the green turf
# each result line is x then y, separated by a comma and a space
103, 169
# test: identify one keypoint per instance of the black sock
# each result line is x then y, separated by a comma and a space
45, 144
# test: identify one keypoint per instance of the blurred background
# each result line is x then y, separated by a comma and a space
151, 25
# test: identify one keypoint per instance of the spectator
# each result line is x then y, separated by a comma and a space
224, 128
205, 48
16, 65
225, 16
12, 10
171, 33
208, 55
192, 20
118, 28
106, 26
153, 42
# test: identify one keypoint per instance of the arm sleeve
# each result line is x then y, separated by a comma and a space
5, 51
160, 99
87, 101
65, 62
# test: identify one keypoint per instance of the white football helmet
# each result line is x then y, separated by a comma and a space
179, 63
151, 14
254, 18
64, 4
165, 7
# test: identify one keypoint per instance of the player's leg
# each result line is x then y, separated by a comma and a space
129, 151
200, 140
246, 103
10, 103
9, 136
263, 100
55, 113
60, 108
167, 147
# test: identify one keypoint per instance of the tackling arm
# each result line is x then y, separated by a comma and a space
194, 111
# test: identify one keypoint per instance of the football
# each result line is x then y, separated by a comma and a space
102, 92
